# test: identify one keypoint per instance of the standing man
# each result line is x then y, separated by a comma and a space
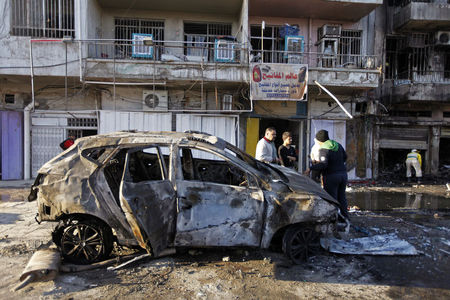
265, 149
332, 159
286, 152
314, 155
414, 159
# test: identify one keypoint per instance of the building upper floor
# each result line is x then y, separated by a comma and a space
409, 15
185, 40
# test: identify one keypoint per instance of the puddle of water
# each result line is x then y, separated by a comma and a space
388, 201
8, 198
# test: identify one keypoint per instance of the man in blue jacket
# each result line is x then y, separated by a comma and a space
331, 163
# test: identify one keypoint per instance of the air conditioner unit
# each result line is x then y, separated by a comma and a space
293, 45
328, 31
142, 45
155, 100
443, 38
227, 102
224, 50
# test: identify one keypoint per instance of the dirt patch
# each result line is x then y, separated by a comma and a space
248, 273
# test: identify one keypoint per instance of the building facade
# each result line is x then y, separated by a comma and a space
86, 67
416, 85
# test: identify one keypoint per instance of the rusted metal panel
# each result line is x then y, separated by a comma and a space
218, 215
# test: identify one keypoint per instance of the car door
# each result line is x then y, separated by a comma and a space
219, 203
148, 198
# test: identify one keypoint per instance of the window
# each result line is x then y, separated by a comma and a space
272, 43
349, 48
396, 58
200, 165
43, 18
125, 28
148, 164
81, 127
9, 98
200, 38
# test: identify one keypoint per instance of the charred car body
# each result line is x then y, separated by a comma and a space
161, 190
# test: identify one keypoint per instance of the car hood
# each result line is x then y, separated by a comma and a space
300, 183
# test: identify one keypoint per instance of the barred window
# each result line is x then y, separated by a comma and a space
125, 27
273, 43
200, 36
43, 18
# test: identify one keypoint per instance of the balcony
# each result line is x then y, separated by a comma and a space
341, 10
121, 60
346, 71
219, 61
419, 86
422, 15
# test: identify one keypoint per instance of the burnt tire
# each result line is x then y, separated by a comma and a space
85, 241
300, 242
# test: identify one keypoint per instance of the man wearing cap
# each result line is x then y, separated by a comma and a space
414, 159
331, 163
265, 149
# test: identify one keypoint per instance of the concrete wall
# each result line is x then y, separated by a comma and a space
173, 21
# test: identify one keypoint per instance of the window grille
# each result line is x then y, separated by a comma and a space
200, 38
82, 122
124, 29
43, 18
349, 48
273, 43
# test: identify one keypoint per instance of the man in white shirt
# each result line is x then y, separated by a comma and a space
315, 174
265, 149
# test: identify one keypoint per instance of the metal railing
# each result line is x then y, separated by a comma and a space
227, 52
409, 77
406, 2
167, 51
316, 59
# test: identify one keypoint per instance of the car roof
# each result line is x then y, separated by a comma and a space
123, 138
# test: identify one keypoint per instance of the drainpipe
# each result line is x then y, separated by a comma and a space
27, 141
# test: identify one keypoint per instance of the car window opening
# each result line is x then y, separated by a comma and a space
207, 167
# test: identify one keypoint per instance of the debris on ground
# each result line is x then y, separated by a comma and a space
386, 244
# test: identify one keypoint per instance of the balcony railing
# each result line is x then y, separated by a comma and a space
406, 2
410, 77
316, 59
168, 51
224, 52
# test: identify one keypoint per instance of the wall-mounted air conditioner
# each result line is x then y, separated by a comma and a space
224, 50
329, 31
443, 38
294, 46
155, 100
142, 45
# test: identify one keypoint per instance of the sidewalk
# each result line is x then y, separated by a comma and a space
16, 184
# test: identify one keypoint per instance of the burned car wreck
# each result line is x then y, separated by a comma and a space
162, 190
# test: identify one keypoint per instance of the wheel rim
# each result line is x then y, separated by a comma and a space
304, 243
82, 242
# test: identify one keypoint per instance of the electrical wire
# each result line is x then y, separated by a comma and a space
37, 67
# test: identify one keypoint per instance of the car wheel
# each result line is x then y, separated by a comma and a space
300, 242
85, 241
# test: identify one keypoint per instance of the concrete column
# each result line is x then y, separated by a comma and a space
376, 149
435, 136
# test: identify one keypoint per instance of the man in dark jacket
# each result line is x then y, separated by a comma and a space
331, 163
